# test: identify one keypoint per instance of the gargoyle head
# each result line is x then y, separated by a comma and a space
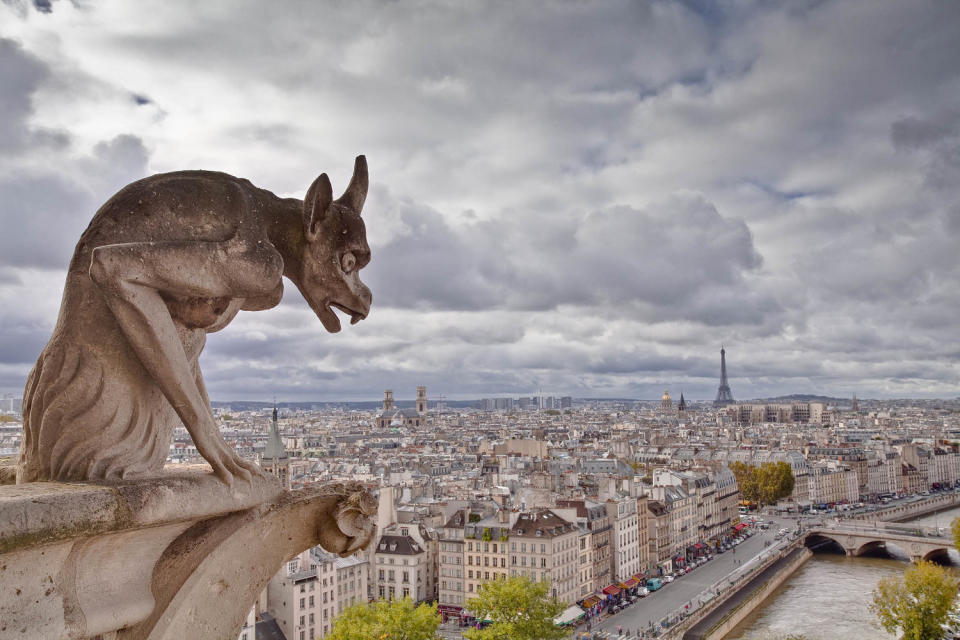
336, 249
356, 519
350, 524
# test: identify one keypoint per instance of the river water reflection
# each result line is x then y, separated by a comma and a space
828, 598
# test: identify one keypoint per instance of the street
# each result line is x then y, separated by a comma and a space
650, 610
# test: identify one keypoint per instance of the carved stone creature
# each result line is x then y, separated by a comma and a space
164, 262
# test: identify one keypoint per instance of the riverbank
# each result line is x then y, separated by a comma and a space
728, 614
828, 597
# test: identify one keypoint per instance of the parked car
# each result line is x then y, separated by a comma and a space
668, 578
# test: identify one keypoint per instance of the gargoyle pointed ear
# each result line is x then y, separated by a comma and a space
356, 192
315, 205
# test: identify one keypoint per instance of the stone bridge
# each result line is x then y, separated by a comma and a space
920, 543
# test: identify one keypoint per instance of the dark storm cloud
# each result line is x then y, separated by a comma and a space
671, 257
586, 198
49, 205
20, 75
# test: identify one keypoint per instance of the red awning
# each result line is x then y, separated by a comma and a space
639, 577
627, 584
739, 526
449, 608
589, 602
611, 590
699, 545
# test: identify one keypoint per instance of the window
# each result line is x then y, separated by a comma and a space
311, 601
302, 603
303, 587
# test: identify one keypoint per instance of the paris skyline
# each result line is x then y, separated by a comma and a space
586, 198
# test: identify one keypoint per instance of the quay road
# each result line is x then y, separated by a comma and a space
649, 611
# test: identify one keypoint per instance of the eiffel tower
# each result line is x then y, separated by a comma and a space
724, 397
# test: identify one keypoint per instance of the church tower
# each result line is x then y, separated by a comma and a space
274, 459
422, 400
388, 400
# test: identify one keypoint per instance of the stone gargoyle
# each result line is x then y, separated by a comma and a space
164, 262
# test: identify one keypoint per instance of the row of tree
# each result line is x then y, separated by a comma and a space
765, 484
518, 607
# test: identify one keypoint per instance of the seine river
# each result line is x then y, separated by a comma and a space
828, 598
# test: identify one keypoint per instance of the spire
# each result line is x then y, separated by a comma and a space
274, 448
724, 396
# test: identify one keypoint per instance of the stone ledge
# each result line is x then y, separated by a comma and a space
165, 558
44, 512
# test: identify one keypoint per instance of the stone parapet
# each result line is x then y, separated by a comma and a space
179, 556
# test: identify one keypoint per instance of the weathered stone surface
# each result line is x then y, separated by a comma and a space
174, 557
44, 512
164, 262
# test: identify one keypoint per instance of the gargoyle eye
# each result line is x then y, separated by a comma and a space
348, 262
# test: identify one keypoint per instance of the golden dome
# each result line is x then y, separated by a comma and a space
666, 395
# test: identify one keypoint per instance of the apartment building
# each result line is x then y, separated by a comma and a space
545, 547
485, 546
594, 515
584, 560
643, 534
658, 526
403, 567
624, 538
307, 594
831, 482
450, 556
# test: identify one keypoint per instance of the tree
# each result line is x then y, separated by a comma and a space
955, 530
918, 603
519, 609
765, 484
386, 620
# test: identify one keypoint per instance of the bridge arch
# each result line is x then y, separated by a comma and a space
883, 548
940, 556
819, 543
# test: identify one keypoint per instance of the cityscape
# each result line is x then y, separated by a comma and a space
607, 501
612, 320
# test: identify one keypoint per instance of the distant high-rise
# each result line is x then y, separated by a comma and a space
724, 397
854, 406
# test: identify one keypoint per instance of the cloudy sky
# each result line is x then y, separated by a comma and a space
586, 198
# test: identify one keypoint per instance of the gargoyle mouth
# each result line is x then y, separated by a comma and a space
355, 316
